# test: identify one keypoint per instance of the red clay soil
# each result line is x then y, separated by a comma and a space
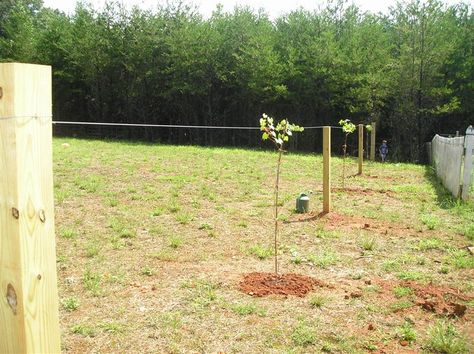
262, 284
364, 191
440, 300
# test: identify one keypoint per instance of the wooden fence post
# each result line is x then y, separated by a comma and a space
326, 169
29, 315
469, 146
361, 147
372, 142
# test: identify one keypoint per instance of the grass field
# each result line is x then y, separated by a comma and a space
152, 242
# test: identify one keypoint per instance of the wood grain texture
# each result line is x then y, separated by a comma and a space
326, 169
29, 315
361, 147
372, 141
468, 155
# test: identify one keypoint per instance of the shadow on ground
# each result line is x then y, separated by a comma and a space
444, 198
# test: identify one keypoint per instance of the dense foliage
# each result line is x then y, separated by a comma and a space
411, 70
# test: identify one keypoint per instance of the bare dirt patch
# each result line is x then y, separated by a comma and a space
441, 300
387, 178
364, 191
438, 299
262, 284
346, 222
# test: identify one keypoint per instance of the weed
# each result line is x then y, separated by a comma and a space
303, 335
83, 330
205, 226
391, 265
468, 231
91, 282
242, 224
171, 320
326, 234
67, 233
410, 275
112, 327
402, 291
247, 309
368, 244
92, 250
324, 259
157, 211
460, 259
244, 309
89, 184
175, 241
444, 269
406, 332
261, 252
184, 218
317, 301
431, 244
207, 193
116, 242
70, 304
174, 208
127, 233
296, 259
203, 292
373, 289
431, 221
147, 271
444, 338
164, 255
157, 230
401, 305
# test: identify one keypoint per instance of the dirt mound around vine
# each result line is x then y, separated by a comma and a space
262, 284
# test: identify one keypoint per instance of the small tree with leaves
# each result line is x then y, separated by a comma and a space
279, 135
347, 127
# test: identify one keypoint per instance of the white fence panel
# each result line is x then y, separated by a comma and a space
447, 154
468, 156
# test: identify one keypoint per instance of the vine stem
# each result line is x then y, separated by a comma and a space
344, 163
276, 209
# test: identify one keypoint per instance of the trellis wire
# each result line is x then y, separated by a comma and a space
140, 125
171, 125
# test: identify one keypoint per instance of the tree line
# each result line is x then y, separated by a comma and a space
411, 70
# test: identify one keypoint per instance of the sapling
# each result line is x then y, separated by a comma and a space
347, 127
279, 135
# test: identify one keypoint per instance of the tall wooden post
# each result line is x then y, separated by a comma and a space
467, 177
326, 169
29, 315
361, 147
372, 142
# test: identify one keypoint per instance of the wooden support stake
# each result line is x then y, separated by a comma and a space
29, 315
372, 142
326, 169
469, 146
361, 147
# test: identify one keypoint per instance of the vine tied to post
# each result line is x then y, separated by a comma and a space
278, 134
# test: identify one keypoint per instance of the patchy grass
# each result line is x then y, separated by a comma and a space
444, 338
153, 240
318, 301
261, 252
406, 332
402, 291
